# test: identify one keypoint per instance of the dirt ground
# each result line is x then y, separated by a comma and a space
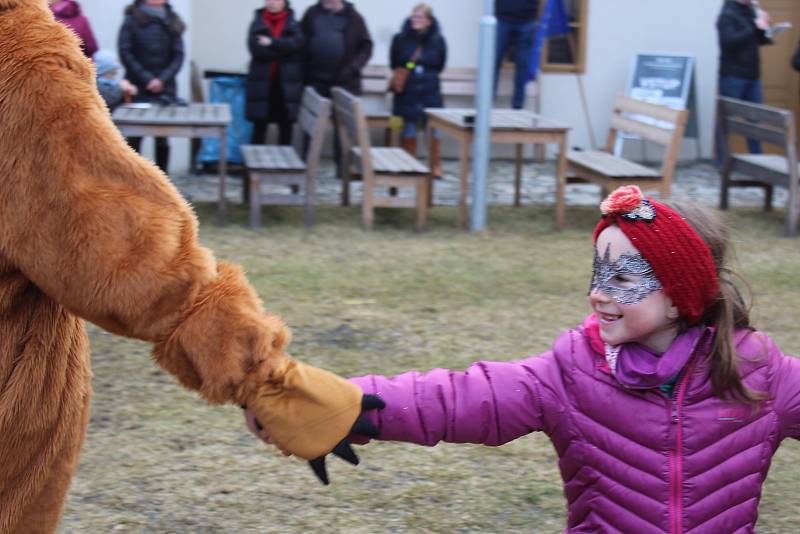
159, 460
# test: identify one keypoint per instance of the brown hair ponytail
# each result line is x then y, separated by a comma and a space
729, 312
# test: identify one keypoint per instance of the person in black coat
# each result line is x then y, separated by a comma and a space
339, 45
275, 77
421, 48
742, 31
151, 50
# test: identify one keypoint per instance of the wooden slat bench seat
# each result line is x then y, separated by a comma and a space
394, 160
605, 164
390, 168
272, 157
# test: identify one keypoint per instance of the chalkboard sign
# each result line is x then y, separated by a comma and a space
664, 79
667, 80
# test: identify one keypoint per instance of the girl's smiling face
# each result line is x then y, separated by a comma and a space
627, 298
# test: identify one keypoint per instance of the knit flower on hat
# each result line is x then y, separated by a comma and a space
628, 202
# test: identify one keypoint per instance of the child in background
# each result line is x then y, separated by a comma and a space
665, 406
113, 90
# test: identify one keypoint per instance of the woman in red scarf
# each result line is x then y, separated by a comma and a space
275, 76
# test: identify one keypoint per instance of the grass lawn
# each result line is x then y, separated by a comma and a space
159, 460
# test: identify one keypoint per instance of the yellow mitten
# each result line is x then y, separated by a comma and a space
305, 410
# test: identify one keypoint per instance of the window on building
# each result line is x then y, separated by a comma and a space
567, 53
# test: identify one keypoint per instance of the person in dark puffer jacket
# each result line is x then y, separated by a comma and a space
275, 76
339, 45
151, 50
423, 89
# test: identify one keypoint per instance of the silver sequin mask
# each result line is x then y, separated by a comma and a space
610, 277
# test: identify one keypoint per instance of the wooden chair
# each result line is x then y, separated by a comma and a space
769, 125
286, 165
387, 167
609, 171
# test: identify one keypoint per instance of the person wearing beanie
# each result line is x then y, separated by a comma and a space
274, 87
113, 90
68, 12
664, 406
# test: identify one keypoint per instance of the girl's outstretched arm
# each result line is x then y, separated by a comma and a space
490, 403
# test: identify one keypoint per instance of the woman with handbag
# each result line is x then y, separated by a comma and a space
417, 57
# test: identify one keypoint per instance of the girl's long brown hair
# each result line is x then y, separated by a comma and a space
730, 311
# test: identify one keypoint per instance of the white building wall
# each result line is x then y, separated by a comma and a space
617, 30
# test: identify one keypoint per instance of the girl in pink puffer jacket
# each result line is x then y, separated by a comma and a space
665, 407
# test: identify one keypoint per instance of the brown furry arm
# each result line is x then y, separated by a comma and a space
102, 232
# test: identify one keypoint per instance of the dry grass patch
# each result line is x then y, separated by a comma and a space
159, 460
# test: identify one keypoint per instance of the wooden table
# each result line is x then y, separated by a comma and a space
194, 120
511, 126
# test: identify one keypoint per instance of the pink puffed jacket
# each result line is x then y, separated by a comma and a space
631, 460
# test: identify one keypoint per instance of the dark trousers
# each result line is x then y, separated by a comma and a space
162, 151
277, 114
520, 36
259, 136
743, 89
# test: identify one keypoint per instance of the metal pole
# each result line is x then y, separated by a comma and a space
483, 108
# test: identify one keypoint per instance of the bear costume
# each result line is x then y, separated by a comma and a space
91, 231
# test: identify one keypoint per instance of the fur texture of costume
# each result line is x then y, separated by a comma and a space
89, 230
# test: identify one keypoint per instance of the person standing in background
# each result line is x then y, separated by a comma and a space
421, 48
275, 76
516, 27
151, 49
68, 12
742, 30
339, 46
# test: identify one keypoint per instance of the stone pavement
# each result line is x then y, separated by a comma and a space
697, 180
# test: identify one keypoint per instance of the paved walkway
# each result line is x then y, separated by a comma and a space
697, 180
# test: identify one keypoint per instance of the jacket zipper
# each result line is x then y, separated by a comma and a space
676, 455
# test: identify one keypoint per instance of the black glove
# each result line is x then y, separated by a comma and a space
344, 450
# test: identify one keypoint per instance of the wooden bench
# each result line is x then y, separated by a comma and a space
658, 124
389, 167
455, 82
284, 165
769, 125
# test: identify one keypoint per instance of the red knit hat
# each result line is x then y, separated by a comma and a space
680, 258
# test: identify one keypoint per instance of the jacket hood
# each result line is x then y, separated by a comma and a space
66, 9
173, 21
346, 10
433, 30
